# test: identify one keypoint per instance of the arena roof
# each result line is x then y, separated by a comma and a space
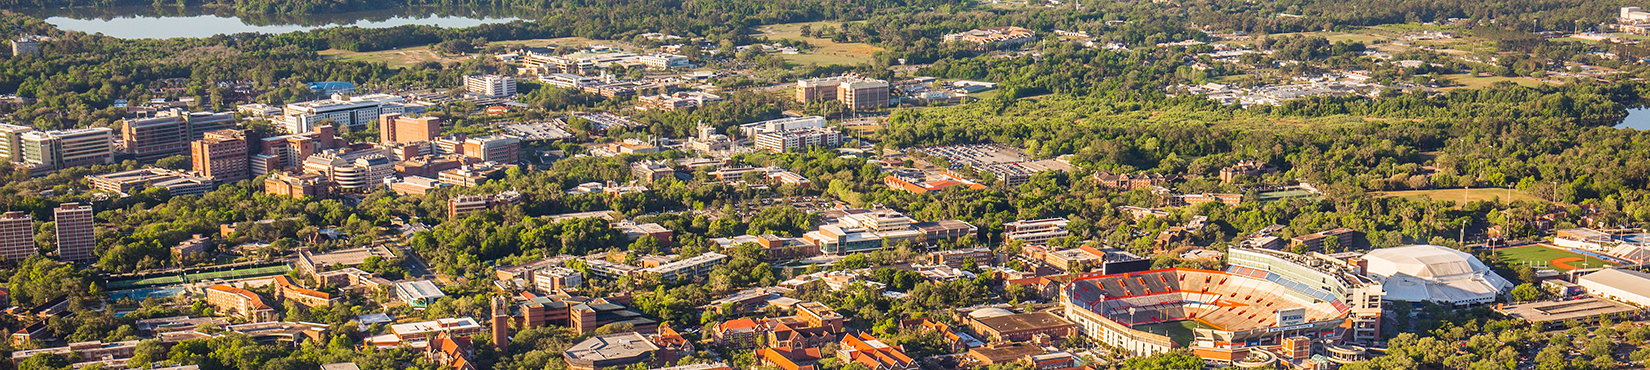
1419, 273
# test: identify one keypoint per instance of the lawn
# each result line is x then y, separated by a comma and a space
825, 52
1178, 331
1541, 256
1478, 194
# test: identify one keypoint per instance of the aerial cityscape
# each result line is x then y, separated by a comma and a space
825, 185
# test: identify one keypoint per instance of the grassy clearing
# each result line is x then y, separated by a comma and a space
397, 58
1476, 82
1543, 256
825, 52
1454, 195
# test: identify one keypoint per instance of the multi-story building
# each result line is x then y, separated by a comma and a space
297, 185
1036, 232
397, 129
418, 293
861, 230
1345, 238
222, 156
958, 258
873, 353
28, 45
417, 331
75, 236
169, 133
1247, 167
51, 150
176, 182
16, 236
289, 151
690, 268
11, 142
360, 170
1130, 182
664, 61
557, 278
495, 148
303, 117
492, 86
650, 171
1010, 327
550, 64
994, 35
92, 352
799, 139
289, 290
853, 91
239, 303
461, 206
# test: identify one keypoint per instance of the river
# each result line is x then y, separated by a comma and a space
1637, 118
147, 22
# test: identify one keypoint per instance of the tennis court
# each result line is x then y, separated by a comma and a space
238, 274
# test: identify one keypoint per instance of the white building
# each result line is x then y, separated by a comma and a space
781, 124
357, 170
298, 118
1432, 273
801, 138
418, 293
494, 86
1627, 286
664, 61
67, 148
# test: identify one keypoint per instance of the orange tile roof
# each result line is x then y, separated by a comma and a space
287, 284
257, 302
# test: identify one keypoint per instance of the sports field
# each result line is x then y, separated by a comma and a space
1477, 194
158, 280
1178, 331
238, 274
1543, 256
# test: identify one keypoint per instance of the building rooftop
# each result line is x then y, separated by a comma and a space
611, 346
419, 290
1542, 312
1027, 321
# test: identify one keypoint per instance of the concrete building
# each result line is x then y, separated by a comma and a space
873, 353
11, 142
777, 125
1246, 167
853, 91
1626, 286
1036, 232
423, 330
494, 148
995, 325
664, 61
799, 139
51, 150
16, 237
127, 182
492, 86
690, 268
461, 206
109, 355
994, 36
613, 350
361, 170
553, 279
75, 236
28, 45
222, 156
1341, 278
398, 129
862, 230
297, 185
1442, 275
170, 132
957, 258
418, 293
286, 289
239, 303
304, 117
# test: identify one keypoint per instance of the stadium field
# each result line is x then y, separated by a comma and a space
1543, 256
1178, 331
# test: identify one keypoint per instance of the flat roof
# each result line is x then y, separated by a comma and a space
422, 289
1625, 280
1026, 321
611, 346
1541, 312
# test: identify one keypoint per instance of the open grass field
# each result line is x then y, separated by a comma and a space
1178, 331
397, 58
1483, 194
825, 52
1541, 256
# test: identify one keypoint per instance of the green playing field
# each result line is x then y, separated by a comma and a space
1178, 331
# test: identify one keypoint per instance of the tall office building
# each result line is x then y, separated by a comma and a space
221, 155
16, 236
396, 129
11, 139
494, 86
169, 133
68, 148
303, 117
75, 238
854, 91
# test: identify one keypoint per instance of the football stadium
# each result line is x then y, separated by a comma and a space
1257, 312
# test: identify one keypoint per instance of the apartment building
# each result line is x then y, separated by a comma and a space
398, 129
239, 303
51, 150
17, 236
492, 86
222, 156
494, 148
75, 234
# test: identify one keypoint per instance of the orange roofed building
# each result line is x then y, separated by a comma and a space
786, 358
289, 290
240, 303
873, 353
451, 352
936, 182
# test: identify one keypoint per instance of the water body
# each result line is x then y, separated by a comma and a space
1637, 118
141, 22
